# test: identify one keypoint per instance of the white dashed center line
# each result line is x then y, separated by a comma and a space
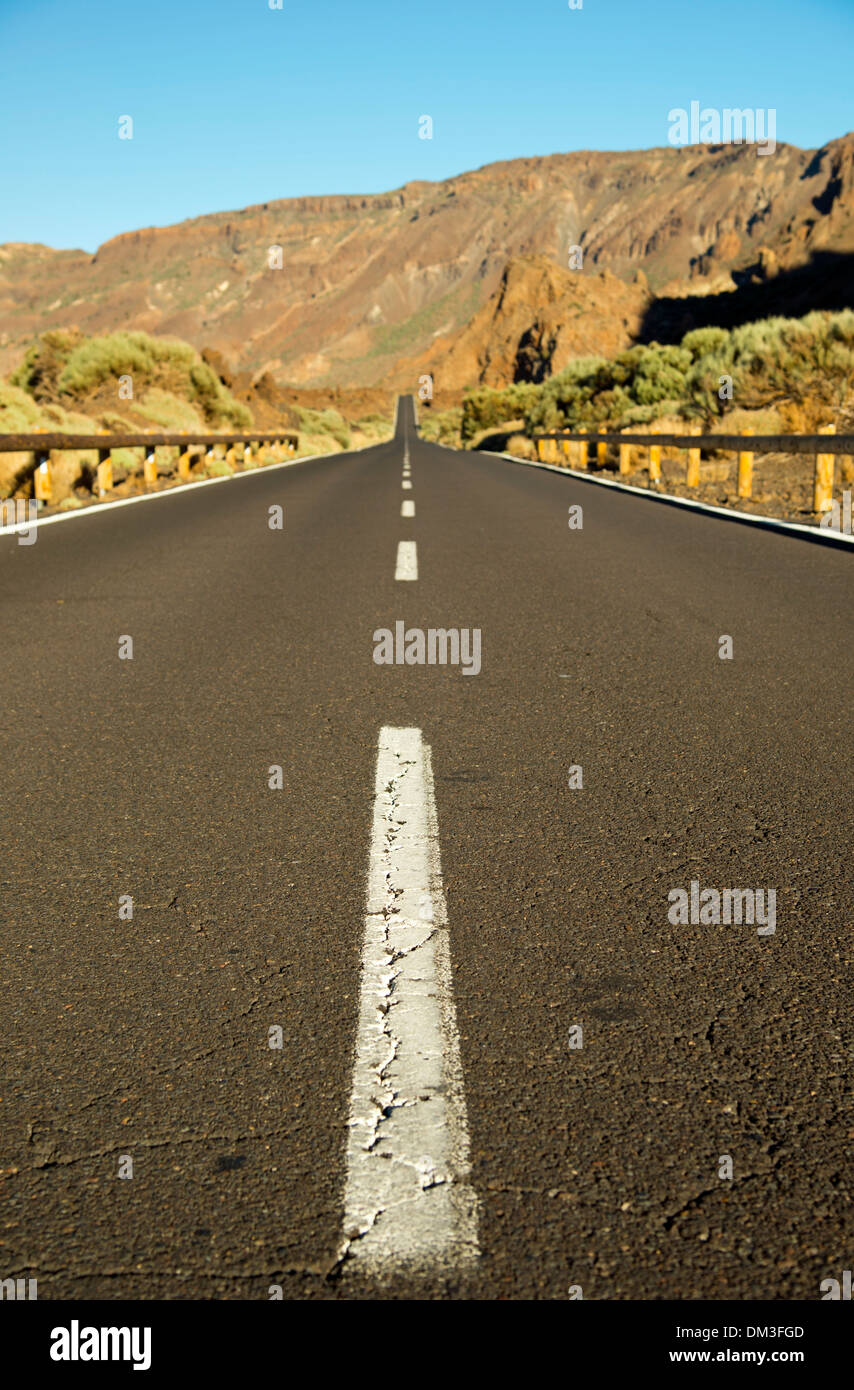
406, 483
407, 1203
407, 561
407, 507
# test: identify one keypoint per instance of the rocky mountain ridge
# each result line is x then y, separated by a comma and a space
363, 286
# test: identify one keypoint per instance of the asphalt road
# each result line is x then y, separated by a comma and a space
595, 1166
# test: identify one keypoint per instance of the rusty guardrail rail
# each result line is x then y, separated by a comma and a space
825, 446
42, 444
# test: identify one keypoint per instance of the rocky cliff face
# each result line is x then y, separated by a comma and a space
538, 318
366, 282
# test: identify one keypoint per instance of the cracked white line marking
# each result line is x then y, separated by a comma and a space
407, 560
407, 1202
407, 507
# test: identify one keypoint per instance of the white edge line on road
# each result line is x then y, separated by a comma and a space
96, 508
407, 507
794, 528
407, 560
407, 1202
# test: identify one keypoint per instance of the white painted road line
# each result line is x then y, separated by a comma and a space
407, 561
406, 483
407, 507
407, 1201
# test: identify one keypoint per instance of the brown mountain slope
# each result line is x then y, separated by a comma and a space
539, 318
365, 281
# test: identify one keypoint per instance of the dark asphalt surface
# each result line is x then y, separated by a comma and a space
253, 647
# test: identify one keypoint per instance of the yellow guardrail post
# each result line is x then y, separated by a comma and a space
823, 481
692, 473
654, 461
149, 467
601, 451
582, 451
105, 471
565, 443
745, 471
42, 477
625, 455
185, 459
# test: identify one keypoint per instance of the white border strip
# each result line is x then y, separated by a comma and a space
96, 508
794, 528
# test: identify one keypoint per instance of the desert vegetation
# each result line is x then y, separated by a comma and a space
70, 383
172, 386
788, 375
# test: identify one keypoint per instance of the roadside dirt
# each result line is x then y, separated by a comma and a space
782, 483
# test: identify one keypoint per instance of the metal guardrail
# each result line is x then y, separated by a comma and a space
825, 446
757, 443
42, 445
44, 442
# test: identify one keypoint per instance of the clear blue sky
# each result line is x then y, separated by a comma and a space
235, 103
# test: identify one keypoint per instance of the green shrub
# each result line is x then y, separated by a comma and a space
487, 406
375, 426
441, 426
168, 410
66, 364
96, 360
217, 404
324, 422
808, 362
19, 413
